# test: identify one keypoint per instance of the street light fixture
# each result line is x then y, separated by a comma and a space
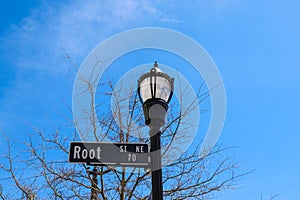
155, 90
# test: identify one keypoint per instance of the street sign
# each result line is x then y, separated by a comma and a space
110, 154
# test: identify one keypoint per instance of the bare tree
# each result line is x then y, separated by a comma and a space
42, 172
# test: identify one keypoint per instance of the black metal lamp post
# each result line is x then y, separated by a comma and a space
155, 90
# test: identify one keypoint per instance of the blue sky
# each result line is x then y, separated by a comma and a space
255, 45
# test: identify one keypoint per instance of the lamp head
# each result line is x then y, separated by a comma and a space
155, 90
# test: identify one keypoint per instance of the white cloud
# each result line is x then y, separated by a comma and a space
77, 27
35, 48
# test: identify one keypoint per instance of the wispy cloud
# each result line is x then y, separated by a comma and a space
35, 47
38, 40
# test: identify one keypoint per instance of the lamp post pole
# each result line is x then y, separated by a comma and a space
155, 90
157, 185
